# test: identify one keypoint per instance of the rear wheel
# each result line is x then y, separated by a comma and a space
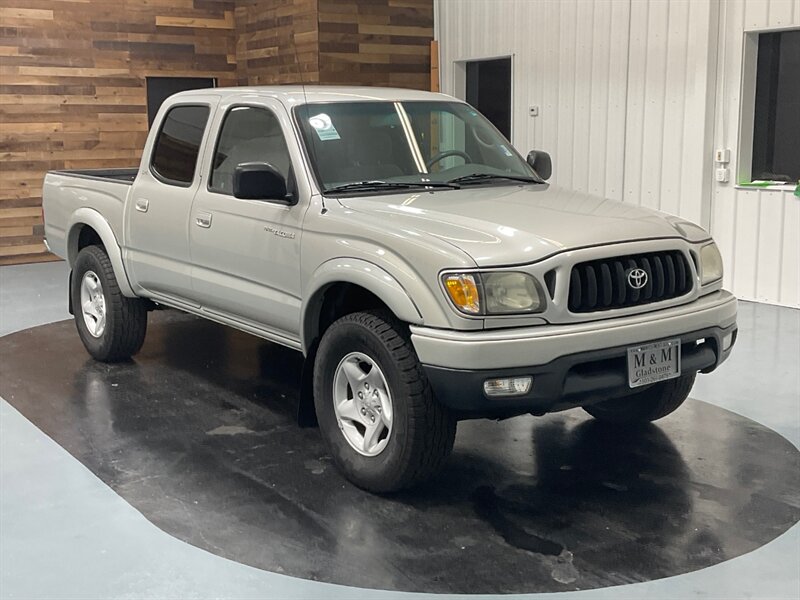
375, 408
111, 326
655, 402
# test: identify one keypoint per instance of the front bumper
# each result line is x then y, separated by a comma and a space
572, 365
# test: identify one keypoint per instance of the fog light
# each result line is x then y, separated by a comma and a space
727, 341
508, 386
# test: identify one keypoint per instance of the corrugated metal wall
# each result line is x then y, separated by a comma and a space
629, 96
669, 121
569, 58
758, 230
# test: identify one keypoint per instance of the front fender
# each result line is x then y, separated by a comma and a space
88, 216
358, 272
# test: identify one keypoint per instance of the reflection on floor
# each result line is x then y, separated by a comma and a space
198, 434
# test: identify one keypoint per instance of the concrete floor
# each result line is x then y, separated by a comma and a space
65, 534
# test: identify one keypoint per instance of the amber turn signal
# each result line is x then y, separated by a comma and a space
463, 291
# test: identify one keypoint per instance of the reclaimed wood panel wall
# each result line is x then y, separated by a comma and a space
277, 41
72, 89
380, 42
72, 74
335, 42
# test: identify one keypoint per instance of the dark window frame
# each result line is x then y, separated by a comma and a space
149, 92
767, 99
472, 68
154, 171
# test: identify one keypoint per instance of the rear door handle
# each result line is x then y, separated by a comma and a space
142, 204
203, 220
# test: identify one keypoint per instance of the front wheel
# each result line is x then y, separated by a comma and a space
375, 408
655, 402
111, 326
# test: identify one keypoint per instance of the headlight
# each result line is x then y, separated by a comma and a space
710, 264
511, 293
497, 293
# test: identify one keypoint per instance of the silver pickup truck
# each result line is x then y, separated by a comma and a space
425, 269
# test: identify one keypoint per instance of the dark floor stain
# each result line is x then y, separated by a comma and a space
487, 506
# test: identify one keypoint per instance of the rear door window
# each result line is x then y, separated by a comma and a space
178, 144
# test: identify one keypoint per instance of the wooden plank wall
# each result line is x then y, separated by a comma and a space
335, 42
277, 41
380, 42
72, 89
72, 74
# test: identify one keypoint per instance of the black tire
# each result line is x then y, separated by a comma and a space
125, 318
423, 431
651, 404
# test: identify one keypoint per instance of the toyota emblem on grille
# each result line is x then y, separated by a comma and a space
637, 278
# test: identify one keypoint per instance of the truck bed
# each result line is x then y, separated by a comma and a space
119, 175
102, 191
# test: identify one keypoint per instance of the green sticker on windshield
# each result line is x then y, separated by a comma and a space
505, 150
323, 125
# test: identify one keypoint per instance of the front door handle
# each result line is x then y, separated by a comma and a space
142, 204
203, 220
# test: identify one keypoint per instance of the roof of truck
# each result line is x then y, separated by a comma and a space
297, 94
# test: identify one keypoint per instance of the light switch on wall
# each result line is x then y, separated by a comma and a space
722, 156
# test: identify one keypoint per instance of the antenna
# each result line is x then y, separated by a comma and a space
305, 103
299, 68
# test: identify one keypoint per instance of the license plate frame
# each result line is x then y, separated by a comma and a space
654, 362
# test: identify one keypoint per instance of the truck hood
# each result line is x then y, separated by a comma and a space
505, 225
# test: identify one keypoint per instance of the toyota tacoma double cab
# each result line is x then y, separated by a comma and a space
425, 269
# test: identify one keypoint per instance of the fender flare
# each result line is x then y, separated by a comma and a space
90, 217
357, 272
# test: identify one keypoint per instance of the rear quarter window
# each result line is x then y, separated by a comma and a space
178, 144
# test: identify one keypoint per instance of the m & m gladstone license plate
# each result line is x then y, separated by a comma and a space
654, 362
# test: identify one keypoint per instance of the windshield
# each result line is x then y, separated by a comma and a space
377, 146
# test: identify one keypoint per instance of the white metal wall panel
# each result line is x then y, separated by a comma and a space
621, 111
570, 59
634, 96
758, 229
666, 163
617, 100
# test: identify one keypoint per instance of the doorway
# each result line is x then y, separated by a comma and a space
488, 88
161, 88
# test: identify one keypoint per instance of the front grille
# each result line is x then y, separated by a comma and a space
604, 284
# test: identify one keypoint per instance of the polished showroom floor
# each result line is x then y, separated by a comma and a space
182, 475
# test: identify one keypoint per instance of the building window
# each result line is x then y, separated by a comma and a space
161, 88
776, 119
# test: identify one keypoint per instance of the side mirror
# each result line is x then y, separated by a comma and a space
541, 163
258, 181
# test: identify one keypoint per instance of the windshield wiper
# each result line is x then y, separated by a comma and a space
481, 177
389, 185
